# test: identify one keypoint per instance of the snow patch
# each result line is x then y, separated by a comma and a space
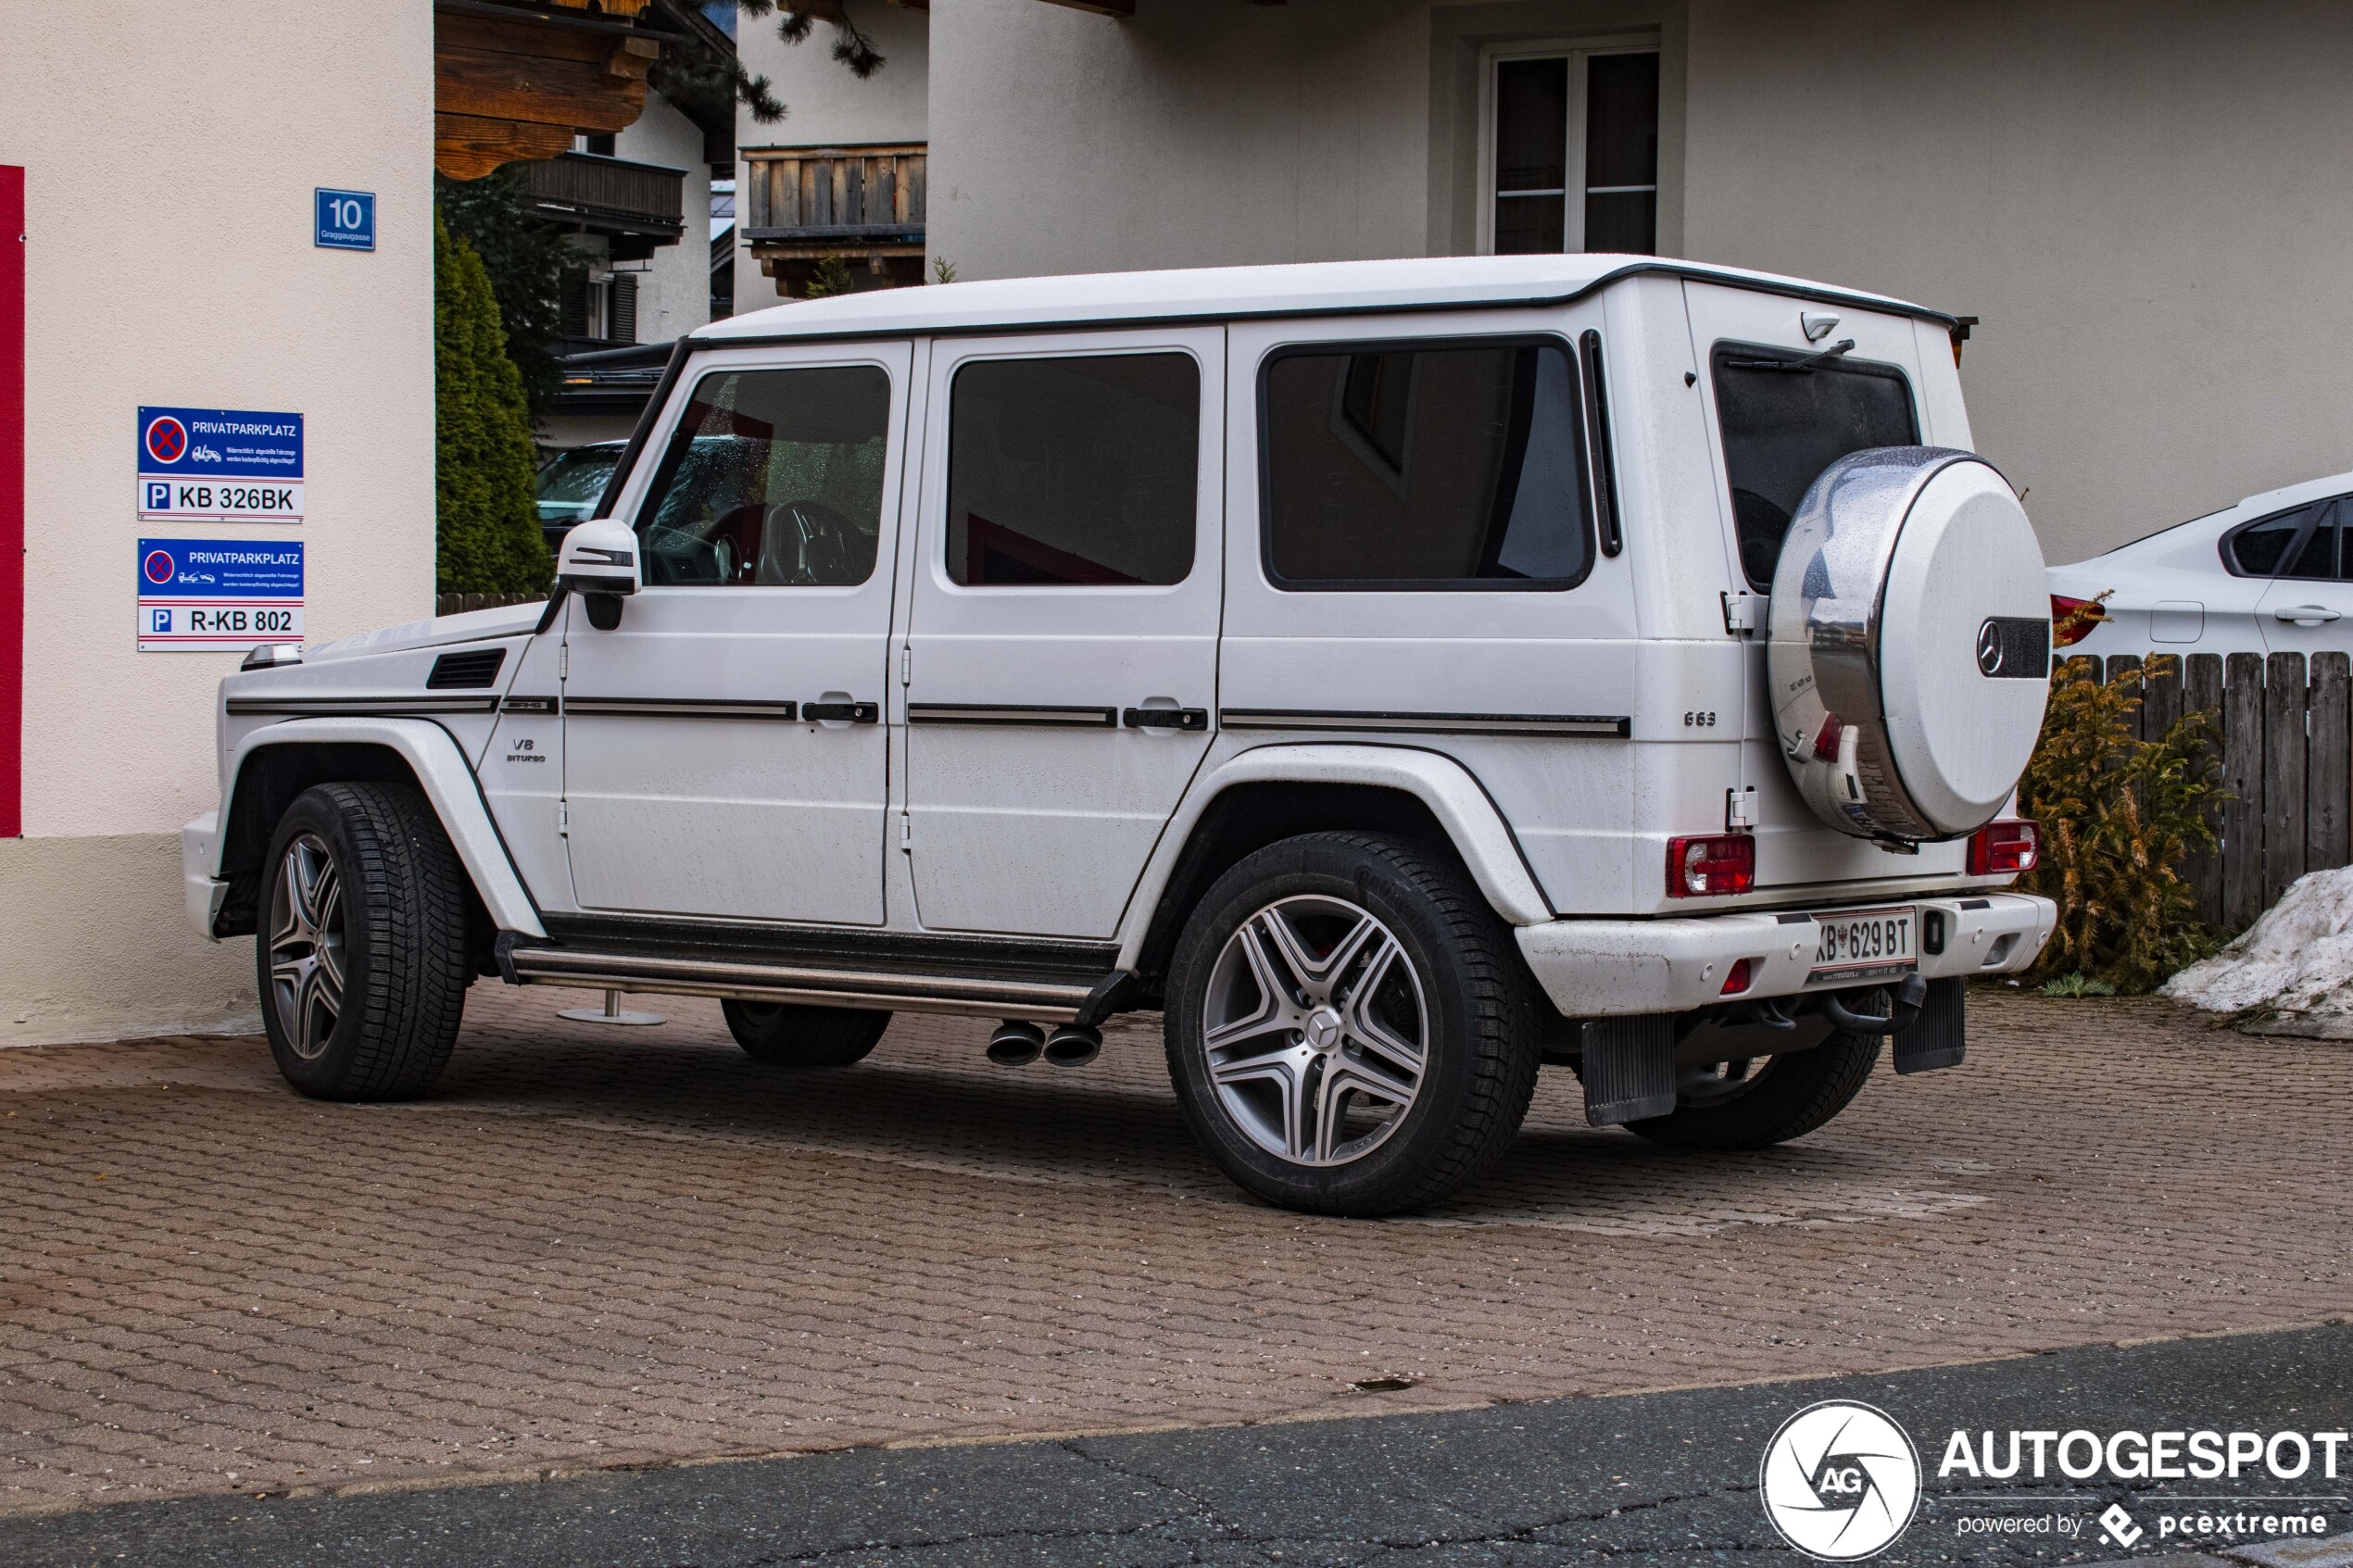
2298, 959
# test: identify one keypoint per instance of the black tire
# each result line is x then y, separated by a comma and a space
392, 923
1787, 1098
1479, 1054
787, 1034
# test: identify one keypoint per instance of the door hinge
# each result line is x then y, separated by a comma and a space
906, 666
564, 661
1744, 612
563, 818
906, 833
1740, 808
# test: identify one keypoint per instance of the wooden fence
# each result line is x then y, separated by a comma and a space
2286, 731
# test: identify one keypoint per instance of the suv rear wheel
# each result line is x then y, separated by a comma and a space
1347, 1029
1756, 1105
789, 1035
361, 955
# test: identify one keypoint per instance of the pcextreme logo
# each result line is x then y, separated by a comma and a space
1840, 1481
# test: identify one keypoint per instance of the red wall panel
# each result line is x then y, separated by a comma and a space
12, 248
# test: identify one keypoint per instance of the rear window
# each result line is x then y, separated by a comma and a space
1782, 425
1444, 466
2302, 542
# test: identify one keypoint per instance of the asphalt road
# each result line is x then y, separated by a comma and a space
1654, 1478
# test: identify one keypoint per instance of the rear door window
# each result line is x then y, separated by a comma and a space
1073, 472
1785, 418
2280, 545
1398, 466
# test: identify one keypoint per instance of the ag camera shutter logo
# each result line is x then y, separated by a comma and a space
1840, 1481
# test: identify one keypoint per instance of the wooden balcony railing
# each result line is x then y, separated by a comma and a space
827, 201
609, 195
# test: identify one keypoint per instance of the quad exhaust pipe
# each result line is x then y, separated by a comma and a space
1018, 1043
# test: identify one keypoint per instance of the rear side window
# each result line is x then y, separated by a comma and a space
1782, 425
2303, 543
1461, 466
1076, 472
772, 479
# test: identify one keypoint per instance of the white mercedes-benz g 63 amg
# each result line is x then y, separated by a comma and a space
1399, 673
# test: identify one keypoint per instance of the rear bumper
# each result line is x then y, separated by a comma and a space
204, 892
1621, 968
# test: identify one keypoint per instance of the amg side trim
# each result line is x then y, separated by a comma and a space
358, 707
1012, 713
1429, 723
837, 948
676, 708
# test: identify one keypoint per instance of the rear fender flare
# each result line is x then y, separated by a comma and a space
1452, 792
449, 784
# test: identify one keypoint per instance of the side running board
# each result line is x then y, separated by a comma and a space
900, 981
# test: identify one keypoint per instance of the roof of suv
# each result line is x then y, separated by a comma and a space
1226, 292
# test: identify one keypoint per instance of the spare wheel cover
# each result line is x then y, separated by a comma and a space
1910, 606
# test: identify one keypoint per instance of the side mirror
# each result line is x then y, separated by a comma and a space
599, 560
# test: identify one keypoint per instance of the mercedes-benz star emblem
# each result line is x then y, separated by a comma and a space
1989, 649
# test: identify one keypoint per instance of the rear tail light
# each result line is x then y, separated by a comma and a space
2005, 848
1710, 868
2072, 619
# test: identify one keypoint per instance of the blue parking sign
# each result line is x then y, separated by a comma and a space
346, 220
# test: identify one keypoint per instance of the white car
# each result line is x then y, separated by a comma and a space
1366, 665
2272, 574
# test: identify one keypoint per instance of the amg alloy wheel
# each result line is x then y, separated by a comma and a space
360, 957
307, 945
1316, 1029
1348, 1029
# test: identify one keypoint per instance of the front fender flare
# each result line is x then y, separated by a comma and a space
1452, 793
432, 756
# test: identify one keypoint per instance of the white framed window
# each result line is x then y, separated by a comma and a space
1568, 155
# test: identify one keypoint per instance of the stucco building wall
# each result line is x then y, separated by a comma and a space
2145, 203
249, 109
673, 294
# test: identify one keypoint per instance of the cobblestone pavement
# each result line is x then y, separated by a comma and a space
602, 1247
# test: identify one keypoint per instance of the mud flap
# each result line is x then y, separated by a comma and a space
1938, 1037
1629, 1069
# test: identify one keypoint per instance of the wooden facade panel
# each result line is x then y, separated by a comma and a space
578, 95
467, 147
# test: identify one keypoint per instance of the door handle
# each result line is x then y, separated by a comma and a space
843, 712
2305, 615
1191, 718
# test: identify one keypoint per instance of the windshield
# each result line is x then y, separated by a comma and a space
1787, 417
574, 480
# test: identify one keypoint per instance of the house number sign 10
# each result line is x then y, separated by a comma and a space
346, 221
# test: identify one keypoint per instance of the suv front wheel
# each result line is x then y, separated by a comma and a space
361, 955
1346, 1028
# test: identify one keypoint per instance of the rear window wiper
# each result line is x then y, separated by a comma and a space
1807, 363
